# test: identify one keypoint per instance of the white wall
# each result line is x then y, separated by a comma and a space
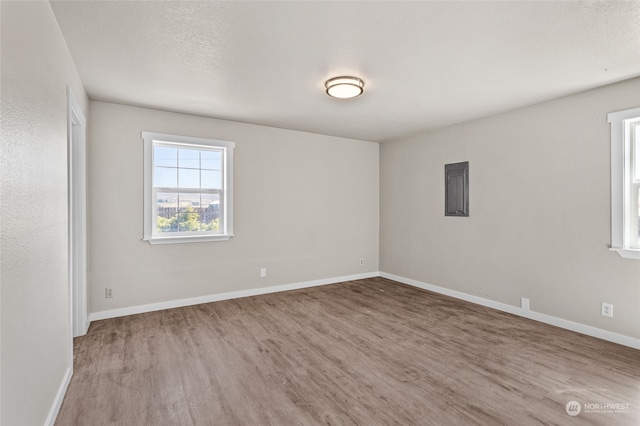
539, 224
35, 337
305, 208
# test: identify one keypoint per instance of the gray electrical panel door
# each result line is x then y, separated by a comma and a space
456, 189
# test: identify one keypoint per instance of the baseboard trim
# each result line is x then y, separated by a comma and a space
57, 403
114, 313
599, 333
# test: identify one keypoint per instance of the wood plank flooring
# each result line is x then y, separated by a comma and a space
368, 352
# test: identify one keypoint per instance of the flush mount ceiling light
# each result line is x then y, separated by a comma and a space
344, 87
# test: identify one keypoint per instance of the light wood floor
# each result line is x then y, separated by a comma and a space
369, 352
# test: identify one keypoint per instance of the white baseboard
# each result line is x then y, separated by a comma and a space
610, 336
57, 403
113, 313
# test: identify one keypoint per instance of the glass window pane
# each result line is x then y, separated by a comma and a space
165, 177
189, 158
211, 179
167, 199
208, 200
211, 160
186, 212
165, 156
189, 213
188, 201
166, 212
188, 178
211, 212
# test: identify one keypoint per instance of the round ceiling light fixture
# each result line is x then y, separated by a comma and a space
344, 87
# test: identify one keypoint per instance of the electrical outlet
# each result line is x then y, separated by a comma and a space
607, 310
263, 272
361, 262
524, 303
108, 293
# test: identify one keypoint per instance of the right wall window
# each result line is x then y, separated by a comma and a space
625, 182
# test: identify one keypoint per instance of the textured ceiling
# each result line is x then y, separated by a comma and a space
425, 64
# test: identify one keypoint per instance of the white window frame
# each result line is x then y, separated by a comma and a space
623, 226
226, 194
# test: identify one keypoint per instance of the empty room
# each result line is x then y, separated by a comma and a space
319, 213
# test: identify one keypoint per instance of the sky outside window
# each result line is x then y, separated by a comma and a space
187, 168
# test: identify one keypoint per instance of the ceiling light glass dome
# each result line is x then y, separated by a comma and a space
344, 87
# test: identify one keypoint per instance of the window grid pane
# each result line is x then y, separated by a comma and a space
211, 179
188, 158
188, 178
211, 160
164, 156
165, 177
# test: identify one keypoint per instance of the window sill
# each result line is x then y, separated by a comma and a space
627, 253
188, 239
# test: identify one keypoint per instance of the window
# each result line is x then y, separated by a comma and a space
625, 182
188, 189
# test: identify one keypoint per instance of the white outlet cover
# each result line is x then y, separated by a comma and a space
607, 310
524, 303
